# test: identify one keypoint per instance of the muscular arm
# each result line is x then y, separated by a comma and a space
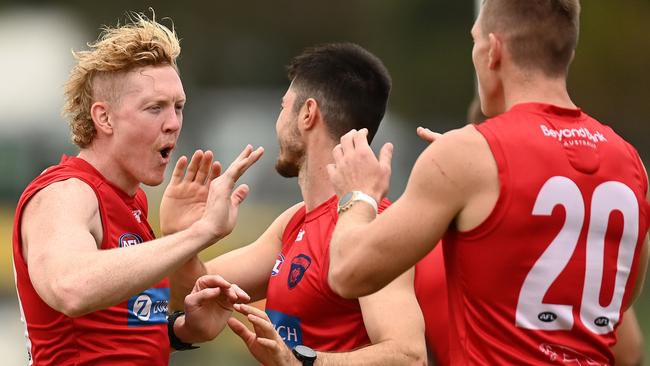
68, 270
61, 235
397, 339
368, 252
249, 266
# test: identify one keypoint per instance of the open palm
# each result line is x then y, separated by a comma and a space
184, 199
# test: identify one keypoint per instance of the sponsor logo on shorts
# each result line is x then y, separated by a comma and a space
128, 239
287, 326
149, 307
299, 265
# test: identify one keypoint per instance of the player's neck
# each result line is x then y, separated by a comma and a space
313, 179
537, 90
107, 167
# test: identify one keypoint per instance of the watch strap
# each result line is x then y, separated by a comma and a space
304, 354
358, 196
174, 341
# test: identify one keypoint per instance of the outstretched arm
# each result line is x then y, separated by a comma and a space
367, 252
258, 259
185, 196
399, 341
59, 233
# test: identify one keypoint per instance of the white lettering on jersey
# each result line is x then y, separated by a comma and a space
574, 136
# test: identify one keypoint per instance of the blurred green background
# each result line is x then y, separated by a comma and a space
232, 66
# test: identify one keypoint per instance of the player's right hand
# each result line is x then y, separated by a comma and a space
209, 306
264, 342
356, 168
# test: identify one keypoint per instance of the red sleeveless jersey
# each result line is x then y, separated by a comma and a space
300, 303
133, 332
547, 276
431, 292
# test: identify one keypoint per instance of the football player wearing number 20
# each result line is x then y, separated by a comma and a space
542, 210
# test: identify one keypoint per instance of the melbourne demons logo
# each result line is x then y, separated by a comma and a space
299, 265
128, 239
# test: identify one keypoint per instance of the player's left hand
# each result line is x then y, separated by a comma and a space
356, 168
184, 199
265, 344
208, 307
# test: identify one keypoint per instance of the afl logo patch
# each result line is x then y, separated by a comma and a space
299, 265
128, 239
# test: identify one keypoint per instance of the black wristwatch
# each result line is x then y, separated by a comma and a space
174, 342
304, 354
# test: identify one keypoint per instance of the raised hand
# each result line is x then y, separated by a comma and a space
184, 199
208, 307
356, 168
223, 200
427, 135
264, 342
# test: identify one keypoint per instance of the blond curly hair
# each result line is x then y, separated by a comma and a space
141, 42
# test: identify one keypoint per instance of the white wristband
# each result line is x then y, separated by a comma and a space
351, 197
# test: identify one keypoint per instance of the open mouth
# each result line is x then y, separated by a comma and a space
166, 152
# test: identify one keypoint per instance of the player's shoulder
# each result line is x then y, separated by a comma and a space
289, 212
285, 217
64, 196
460, 146
68, 190
462, 156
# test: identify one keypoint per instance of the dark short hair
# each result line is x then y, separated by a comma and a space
350, 84
540, 34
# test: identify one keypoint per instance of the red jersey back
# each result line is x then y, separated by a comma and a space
546, 277
133, 332
431, 292
300, 303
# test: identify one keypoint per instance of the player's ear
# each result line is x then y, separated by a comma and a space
100, 116
496, 51
309, 114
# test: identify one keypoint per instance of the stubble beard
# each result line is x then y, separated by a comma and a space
290, 159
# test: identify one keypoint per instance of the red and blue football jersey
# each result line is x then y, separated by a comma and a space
300, 303
133, 332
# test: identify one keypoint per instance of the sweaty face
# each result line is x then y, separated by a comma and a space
146, 121
292, 149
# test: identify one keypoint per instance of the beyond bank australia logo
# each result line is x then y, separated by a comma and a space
299, 265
